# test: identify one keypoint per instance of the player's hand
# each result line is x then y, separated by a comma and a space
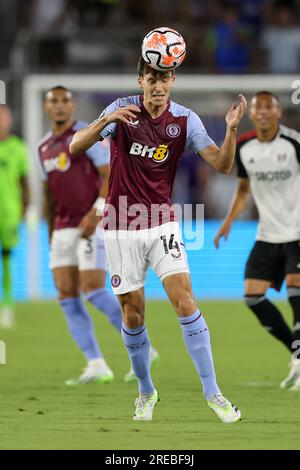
222, 232
236, 113
127, 114
88, 223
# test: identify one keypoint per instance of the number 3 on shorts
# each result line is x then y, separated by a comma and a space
89, 246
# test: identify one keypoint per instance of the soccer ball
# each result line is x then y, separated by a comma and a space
163, 49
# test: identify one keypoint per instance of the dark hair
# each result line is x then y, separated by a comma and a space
143, 68
265, 92
58, 87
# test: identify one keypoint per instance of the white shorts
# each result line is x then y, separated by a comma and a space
69, 249
130, 253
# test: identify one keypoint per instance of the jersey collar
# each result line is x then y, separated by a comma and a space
277, 134
159, 118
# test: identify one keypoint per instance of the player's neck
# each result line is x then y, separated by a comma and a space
59, 129
266, 135
155, 110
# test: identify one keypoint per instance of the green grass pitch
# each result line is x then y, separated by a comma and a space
37, 411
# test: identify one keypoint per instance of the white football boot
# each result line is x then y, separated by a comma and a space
294, 375
296, 386
144, 406
227, 412
154, 359
97, 371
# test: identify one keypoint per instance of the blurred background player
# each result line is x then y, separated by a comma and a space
14, 199
268, 161
74, 190
148, 136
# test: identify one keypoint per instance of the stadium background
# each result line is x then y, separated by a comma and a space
235, 38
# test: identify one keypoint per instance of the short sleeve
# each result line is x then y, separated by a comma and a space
241, 170
197, 138
99, 153
111, 128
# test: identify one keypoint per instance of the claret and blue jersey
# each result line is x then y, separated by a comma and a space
74, 181
146, 153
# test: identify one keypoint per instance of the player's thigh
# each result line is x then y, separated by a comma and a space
133, 307
92, 262
91, 253
292, 267
167, 253
66, 280
293, 280
92, 279
264, 268
63, 248
256, 286
179, 290
126, 259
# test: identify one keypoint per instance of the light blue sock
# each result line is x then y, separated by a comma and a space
103, 300
197, 340
138, 347
81, 327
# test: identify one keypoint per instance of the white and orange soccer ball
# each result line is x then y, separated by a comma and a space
163, 49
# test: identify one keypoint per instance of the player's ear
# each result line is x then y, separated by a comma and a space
140, 81
279, 112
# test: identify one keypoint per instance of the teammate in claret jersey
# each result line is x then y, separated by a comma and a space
149, 133
268, 162
74, 190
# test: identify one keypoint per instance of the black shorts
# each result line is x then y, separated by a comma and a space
273, 261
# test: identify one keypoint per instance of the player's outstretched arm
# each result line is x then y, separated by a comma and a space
48, 208
85, 138
238, 205
222, 158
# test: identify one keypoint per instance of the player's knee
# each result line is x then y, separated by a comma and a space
67, 290
91, 285
132, 310
184, 303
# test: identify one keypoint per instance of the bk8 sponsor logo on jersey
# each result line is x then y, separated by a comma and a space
158, 154
60, 163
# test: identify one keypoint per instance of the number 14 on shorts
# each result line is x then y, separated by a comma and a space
170, 244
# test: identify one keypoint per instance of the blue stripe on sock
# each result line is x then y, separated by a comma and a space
191, 319
133, 334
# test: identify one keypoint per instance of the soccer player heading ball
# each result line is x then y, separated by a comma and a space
74, 192
149, 134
